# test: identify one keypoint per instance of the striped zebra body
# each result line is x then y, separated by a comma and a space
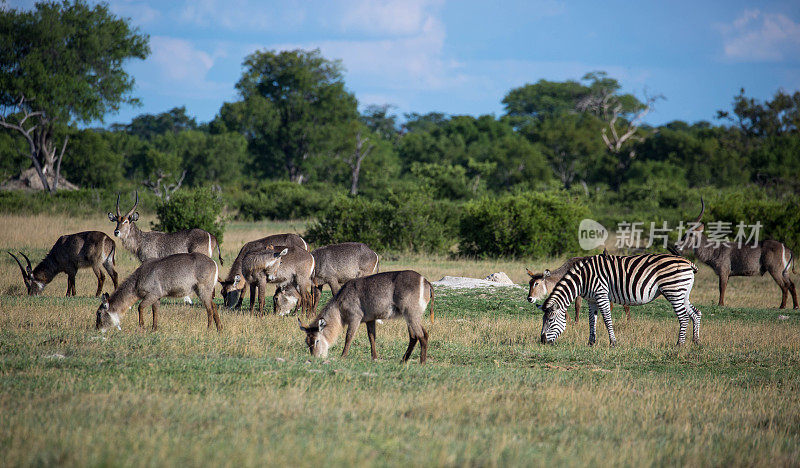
631, 280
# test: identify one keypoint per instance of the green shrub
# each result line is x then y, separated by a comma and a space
188, 209
528, 224
287, 200
83, 202
779, 218
409, 222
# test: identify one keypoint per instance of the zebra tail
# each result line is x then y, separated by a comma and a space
694, 268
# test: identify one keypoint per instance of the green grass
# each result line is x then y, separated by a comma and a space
491, 395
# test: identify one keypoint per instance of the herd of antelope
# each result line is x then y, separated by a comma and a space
181, 263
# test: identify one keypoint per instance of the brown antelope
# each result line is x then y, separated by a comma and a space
339, 263
541, 284
728, 259
286, 300
69, 254
150, 245
384, 296
231, 294
295, 269
174, 276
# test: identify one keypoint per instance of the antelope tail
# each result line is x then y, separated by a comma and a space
790, 263
114, 253
219, 253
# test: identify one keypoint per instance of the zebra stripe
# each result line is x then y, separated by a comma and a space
632, 280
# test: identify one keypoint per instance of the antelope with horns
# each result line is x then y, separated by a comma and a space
173, 276
339, 263
231, 290
542, 284
150, 245
69, 254
388, 295
728, 259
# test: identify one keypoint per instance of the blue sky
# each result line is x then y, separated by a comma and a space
462, 57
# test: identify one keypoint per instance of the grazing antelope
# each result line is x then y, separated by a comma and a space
174, 276
286, 300
633, 280
541, 284
728, 259
231, 290
150, 245
339, 263
295, 268
69, 254
384, 296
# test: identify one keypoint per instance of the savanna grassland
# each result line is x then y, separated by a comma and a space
490, 394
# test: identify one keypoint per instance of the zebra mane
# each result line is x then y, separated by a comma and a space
567, 288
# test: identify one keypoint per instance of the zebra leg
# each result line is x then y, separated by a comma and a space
592, 322
695, 315
604, 306
683, 320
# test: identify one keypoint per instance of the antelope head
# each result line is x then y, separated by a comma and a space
232, 290
123, 228
538, 288
315, 340
105, 318
34, 286
691, 239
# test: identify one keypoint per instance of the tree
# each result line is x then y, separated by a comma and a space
622, 115
61, 63
147, 126
302, 94
378, 119
542, 99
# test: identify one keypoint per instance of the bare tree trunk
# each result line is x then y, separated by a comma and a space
355, 162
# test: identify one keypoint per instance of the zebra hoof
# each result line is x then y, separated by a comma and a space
613, 344
591, 343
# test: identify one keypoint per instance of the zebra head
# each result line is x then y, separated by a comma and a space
554, 321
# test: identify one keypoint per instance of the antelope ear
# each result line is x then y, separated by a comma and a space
104, 298
112, 217
700, 227
283, 252
530, 273
135, 217
321, 324
546, 273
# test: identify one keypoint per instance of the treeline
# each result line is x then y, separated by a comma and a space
295, 144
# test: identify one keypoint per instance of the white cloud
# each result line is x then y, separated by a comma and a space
392, 17
761, 37
179, 68
242, 14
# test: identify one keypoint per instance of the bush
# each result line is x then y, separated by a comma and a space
188, 209
83, 202
528, 224
779, 217
410, 222
287, 200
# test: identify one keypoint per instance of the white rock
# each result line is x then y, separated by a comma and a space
499, 277
460, 282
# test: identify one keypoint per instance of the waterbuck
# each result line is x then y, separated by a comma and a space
542, 284
69, 254
150, 245
231, 294
339, 263
388, 295
174, 276
728, 259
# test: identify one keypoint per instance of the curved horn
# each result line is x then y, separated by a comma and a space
702, 210
134, 205
21, 269
30, 269
118, 205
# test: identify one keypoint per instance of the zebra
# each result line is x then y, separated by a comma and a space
628, 280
